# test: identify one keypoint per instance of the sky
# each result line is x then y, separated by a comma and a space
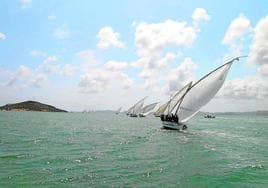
99, 55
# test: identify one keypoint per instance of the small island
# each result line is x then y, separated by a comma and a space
30, 106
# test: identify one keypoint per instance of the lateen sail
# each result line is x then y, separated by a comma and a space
161, 109
118, 111
202, 92
148, 108
172, 103
138, 106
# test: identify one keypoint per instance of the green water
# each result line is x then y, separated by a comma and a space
108, 150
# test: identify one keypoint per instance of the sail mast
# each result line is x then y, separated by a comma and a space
176, 98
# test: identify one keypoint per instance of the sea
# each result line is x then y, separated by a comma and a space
102, 149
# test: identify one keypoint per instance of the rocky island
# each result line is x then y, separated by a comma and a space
30, 106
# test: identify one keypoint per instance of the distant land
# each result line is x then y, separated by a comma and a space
30, 106
257, 113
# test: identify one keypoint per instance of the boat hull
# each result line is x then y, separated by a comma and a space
173, 125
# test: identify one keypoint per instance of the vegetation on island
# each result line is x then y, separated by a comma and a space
30, 106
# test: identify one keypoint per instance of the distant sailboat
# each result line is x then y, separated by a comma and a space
147, 109
188, 101
136, 108
118, 111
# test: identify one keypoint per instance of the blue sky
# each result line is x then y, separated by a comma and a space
105, 54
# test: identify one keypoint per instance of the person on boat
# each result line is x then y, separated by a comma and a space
176, 118
162, 116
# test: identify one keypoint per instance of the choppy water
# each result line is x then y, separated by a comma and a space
108, 150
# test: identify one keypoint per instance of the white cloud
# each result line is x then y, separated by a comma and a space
49, 66
37, 53
180, 76
2, 36
250, 87
258, 54
200, 14
100, 79
115, 66
50, 59
25, 3
22, 73
150, 39
127, 82
62, 32
38, 80
263, 70
237, 29
67, 70
88, 58
153, 69
108, 39
168, 58
94, 81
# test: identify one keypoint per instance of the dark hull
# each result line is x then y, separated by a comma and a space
173, 125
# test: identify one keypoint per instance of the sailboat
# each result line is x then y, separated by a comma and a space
147, 109
136, 108
187, 102
160, 109
118, 111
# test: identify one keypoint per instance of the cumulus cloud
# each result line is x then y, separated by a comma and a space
62, 32
263, 70
127, 81
108, 39
200, 14
67, 70
98, 79
49, 66
22, 73
251, 87
38, 80
94, 82
115, 66
2, 36
258, 54
168, 58
152, 38
180, 76
237, 29
88, 58
151, 41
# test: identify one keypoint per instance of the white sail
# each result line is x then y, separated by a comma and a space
130, 110
148, 108
119, 110
161, 109
172, 103
138, 106
202, 92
